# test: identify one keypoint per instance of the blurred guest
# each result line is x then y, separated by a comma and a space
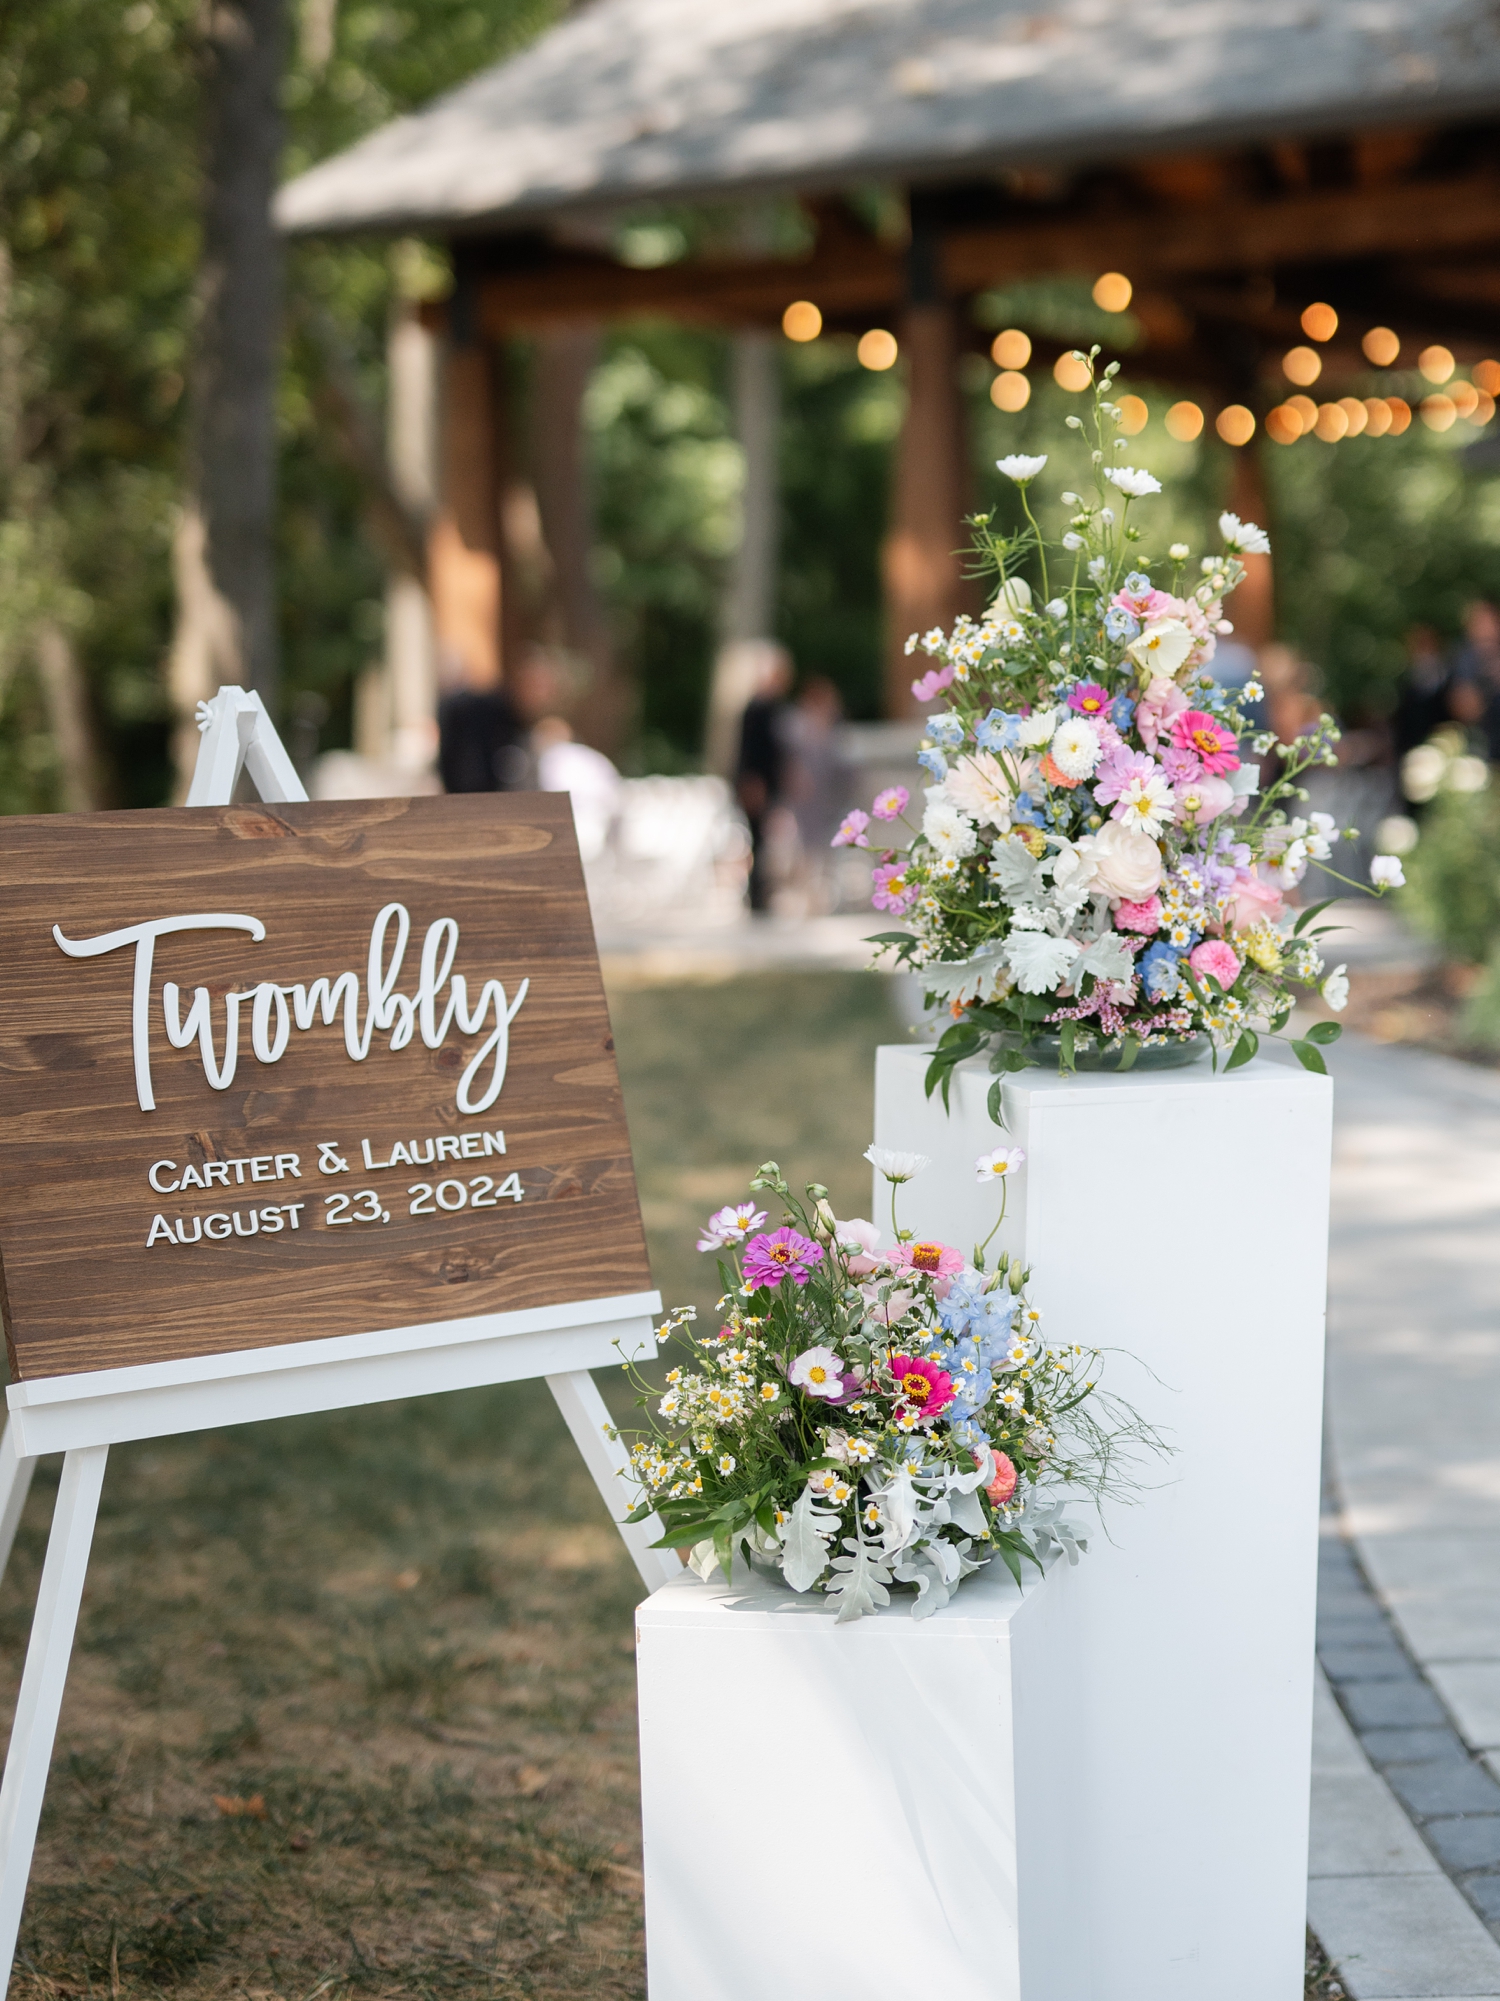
587, 776
1292, 709
1423, 692
1233, 665
1474, 698
481, 742
760, 771
814, 764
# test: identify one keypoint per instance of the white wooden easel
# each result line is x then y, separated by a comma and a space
83, 1415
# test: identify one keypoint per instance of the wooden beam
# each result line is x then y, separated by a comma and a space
463, 561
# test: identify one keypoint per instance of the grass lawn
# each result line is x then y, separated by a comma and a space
353, 1706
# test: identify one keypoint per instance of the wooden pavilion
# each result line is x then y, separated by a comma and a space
1236, 164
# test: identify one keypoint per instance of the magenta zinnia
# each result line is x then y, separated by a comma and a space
782, 1254
923, 1386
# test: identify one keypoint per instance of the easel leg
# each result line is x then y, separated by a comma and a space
586, 1416
40, 1701
15, 1485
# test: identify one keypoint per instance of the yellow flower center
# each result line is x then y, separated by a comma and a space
927, 1257
817, 1373
916, 1387
1205, 741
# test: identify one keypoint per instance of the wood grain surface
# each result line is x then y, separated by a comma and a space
80, 1288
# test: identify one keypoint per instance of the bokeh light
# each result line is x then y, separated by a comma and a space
1332, 423
1436, 363
1305, 408
1184, 422
1438, 413
1377, 416
1381, 346
1283, 424
1071, 371
1010, 391
1235, 424
1302, 366
802, 320
1113, 292
1487, 377
1400, 411
1320, 322
1011, 349
1356, 415
877, 349
1133, 414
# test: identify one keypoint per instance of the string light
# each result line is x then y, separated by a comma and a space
1437, 364
1381, 346
1302, 366
877, 350
1184, 421
1113, 292
1010, 391
1071, 372
1235, 424
1320, 322
1133, 414
1011, 349
802, 320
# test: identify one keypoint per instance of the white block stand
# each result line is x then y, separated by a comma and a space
878, 1809
1183, 1218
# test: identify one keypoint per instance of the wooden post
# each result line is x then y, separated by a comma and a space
1253, 606
923, 571
749, 612
464, 548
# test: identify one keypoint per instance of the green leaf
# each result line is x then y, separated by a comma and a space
1244, 1049
891, 938
992, 1105
1067, 1038
1313, 910
1129, 1052
1310, 1058
1325, 1032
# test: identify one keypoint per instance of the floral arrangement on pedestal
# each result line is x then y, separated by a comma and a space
1092, 875
864, 1417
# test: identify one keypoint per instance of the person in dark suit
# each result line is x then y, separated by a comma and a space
481, 742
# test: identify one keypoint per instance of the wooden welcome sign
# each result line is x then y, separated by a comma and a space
301, 1106
278, 1073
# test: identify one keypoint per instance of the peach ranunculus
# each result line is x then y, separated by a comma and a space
978, 783
1126, 862
1255, 901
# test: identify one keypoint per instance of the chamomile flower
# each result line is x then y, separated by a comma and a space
726, 1464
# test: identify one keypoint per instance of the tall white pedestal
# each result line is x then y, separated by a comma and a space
1183, 1218
878, 1809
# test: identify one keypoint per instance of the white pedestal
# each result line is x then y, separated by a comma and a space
1183, 1218
878, 1809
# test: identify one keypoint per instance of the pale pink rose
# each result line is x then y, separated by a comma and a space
1254, 901
1162, 700
1126, 862
1200, 800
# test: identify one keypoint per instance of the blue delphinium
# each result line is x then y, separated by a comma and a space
1122, 713
998, 731
1120, 625
934, 763
1160, 970
945, 730
1137, 583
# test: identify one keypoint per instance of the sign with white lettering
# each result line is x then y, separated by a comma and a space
271, 1074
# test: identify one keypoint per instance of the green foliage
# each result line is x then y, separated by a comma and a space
1453, 874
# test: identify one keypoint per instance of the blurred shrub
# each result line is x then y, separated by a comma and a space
1453, 874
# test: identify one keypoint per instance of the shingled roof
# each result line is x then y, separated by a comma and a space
640, 100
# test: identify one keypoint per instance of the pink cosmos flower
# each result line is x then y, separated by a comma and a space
932, 683
1118, 769
1089, 699
783, 1254
1200, 800
1216, 747
890, 804
1143, 917
891, 891
1003, 1483
730, 1225
923, 1386
851, 833
1180, 766
1148, 605
1213, 959
1254, 900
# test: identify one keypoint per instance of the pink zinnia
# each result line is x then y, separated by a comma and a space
1143, 917
890, 804
783, 1254
932, 683
891, 891
1117, 771
1215, 960
1216, 747
922, 1385
1089, 699
937, 1260
851, 833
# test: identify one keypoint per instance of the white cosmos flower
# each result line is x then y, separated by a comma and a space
819, 1371
1336, 989
1131, 480
1014, 595
1057, 608
1162, 646
1179, 552
1244, 535
1075, 748
997, 1165
1039, 960
1147, 804
1386, 872
1020, 468
1072, 542
949, 831
896, 1166
1036, 730
977, 784
1322, 832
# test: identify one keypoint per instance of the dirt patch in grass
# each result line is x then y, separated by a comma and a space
353, 1707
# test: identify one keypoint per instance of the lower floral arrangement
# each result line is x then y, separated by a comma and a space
867, 1418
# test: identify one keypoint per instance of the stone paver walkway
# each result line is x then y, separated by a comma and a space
1410, 1608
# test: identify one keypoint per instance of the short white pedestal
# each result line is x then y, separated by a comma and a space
1183, 1218
877, 1809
